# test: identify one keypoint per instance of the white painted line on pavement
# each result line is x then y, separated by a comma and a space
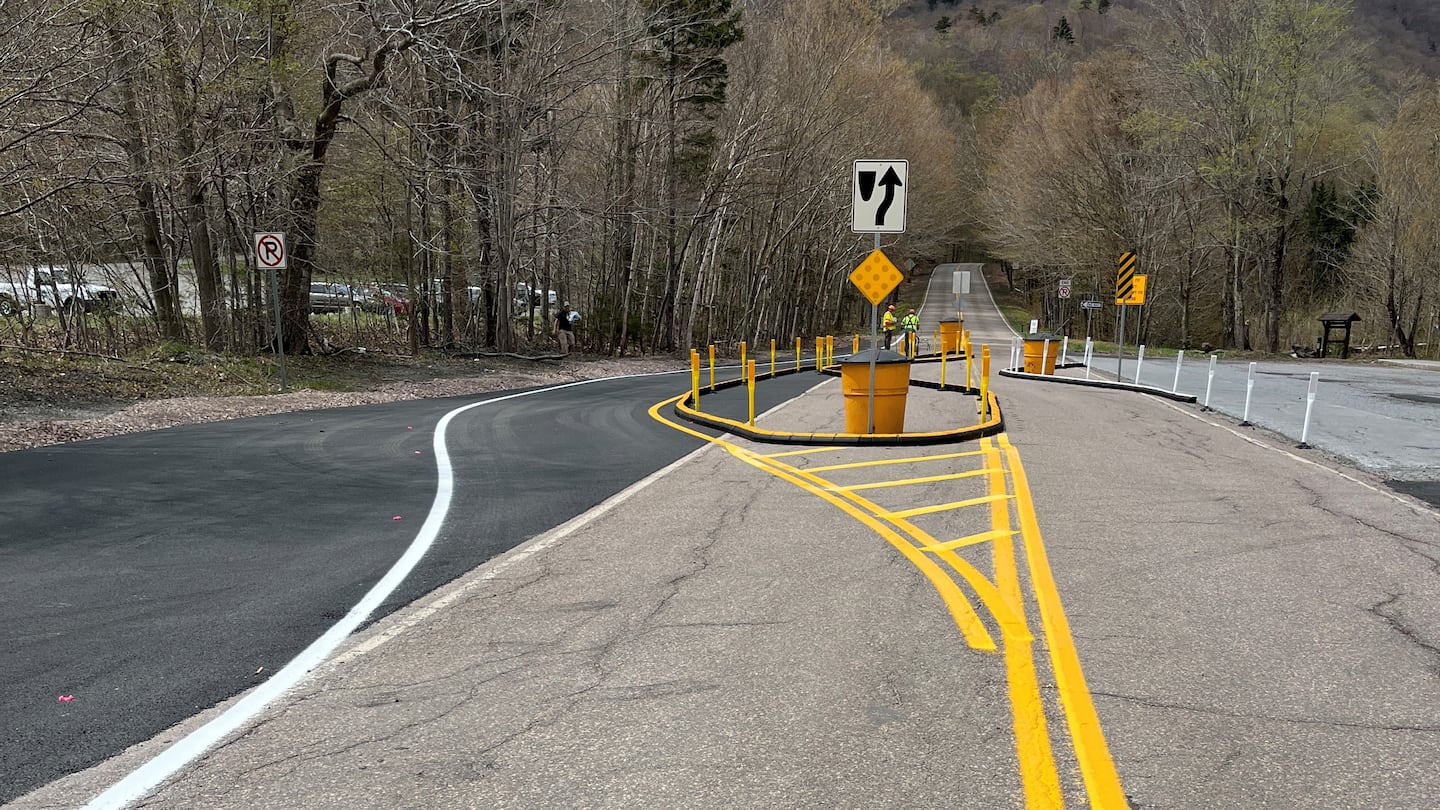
496, 566
147, 777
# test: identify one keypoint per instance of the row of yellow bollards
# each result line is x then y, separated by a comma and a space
825, 356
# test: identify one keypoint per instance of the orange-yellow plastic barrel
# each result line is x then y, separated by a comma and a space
950, 336
1035, 354
892, 383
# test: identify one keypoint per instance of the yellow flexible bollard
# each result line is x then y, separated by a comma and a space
712, 366
772, 357
829, 350
984, 384
855, 345
969, 377
943, 355
819, 352
797, 354
695, 379
750, 379
742, 357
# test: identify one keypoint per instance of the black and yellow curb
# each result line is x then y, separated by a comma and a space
686, 410
1118, 386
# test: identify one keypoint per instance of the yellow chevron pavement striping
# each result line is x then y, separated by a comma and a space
1003, 598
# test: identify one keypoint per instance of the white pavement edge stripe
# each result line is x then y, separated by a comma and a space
494, 568
147, 777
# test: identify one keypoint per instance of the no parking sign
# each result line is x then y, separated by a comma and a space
270, 253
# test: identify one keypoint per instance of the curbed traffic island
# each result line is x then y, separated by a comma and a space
988, 407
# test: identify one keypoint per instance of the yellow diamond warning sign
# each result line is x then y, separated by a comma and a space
876, 277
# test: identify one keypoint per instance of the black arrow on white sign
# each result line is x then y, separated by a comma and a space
889, 181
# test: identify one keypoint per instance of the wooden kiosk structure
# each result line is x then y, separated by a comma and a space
1337, 321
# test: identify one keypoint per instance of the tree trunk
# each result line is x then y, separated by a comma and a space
196, 216
167, 307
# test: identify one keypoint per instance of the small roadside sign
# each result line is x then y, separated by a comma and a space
270, 253
1137, 291
1091, 305
877, 203
960, 282
1065, 288
876, 277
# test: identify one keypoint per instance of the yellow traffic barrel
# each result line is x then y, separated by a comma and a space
892, 383
1041, 351
950, 335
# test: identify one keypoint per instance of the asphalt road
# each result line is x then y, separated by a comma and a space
149, 576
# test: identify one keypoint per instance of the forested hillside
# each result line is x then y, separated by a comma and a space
679, 169
1269, 160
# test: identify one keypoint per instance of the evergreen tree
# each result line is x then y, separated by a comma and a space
943, 27
1063, 32
1102, 6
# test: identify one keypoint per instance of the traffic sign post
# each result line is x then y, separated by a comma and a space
270, 254
1064, 288
877, 205
1124, 286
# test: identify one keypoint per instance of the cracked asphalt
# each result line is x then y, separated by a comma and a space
1257, 628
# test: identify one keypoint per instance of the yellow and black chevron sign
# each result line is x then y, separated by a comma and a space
1125, 280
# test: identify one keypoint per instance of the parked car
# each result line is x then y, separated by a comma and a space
57, 287
331, 296
527, 296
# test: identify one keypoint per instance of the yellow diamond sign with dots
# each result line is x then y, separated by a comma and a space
876, 277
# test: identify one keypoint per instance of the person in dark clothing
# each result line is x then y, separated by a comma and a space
563, 330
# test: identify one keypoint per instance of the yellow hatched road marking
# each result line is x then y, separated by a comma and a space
983, 588
929, 479
964, 616
946, 507
1097, 768
881, 462
1004, 599
971, 540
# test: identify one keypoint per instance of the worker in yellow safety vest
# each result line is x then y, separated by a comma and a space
887, 325
911, 324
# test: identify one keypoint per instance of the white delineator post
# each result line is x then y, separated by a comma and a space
1179, 358
1089, 353
1209, 380
1138, 363
1045, 356
1309, 406
1064, 349
1249, 387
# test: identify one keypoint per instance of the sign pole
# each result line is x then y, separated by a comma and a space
270, 254
279, 335
1120, 350
874, 354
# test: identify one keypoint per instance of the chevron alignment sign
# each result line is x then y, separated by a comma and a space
1125, 280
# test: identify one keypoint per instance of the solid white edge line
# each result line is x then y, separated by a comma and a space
491, 569
993, 305
143, 780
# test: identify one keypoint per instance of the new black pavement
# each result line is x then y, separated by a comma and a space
153, 575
